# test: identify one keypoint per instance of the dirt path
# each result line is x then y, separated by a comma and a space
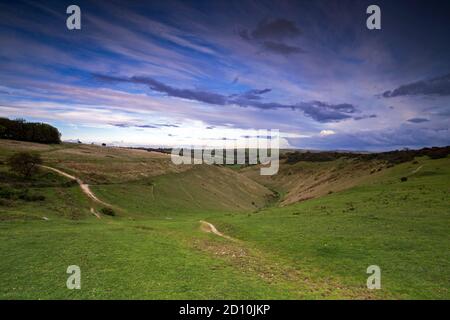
95, 213
209, 227
417, 169
84, 187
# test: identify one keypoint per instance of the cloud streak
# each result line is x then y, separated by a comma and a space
418, 120
439, 86
317, 110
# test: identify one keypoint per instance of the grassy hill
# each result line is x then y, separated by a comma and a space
154, 247
400, 226
306, 180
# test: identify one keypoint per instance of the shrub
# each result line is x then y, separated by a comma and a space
403, 179
22, 194
438, 153
6, 193
25, 163
5, 203
32, 197
69, 183
108, 211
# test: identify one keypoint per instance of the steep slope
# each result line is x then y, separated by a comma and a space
203, 188
148, 183
306, 180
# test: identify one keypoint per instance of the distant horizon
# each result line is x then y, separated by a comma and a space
112, 144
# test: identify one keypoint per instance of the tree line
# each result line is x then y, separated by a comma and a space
21, 130
392, 157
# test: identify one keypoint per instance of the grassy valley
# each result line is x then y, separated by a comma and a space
309, 232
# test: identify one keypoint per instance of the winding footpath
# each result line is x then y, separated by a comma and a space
84, 187
209, 227
205, 226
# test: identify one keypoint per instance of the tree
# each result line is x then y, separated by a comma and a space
21, 130
25, 163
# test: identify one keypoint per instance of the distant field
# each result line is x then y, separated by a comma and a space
358, 214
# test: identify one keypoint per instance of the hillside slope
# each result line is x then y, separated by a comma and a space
398, 219
306, 180
138, 182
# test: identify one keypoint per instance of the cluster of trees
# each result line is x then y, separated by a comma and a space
393, 157
28, 131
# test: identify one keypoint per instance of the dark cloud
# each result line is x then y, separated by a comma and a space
324, 112
120, 125
145, 126
168, 125
317, 110
197, 95
365, 117
271, 36
275, 29
251, 94
418, 120
439, 86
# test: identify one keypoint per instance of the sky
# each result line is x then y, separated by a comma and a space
174, 73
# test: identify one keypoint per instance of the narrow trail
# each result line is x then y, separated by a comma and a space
84, 187
210, 228
417, 169
95, 213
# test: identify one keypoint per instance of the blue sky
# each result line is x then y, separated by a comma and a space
167, 73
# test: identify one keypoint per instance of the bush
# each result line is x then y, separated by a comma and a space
108, 211
23, 194
403, 179
69, 184
25, 163
437, 153
6, 193
31, 197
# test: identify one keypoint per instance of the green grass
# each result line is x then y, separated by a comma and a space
117, 261
202, 189
403, 227
154, 249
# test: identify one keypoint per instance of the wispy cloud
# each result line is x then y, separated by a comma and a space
317, 110
439, 86
418, 120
